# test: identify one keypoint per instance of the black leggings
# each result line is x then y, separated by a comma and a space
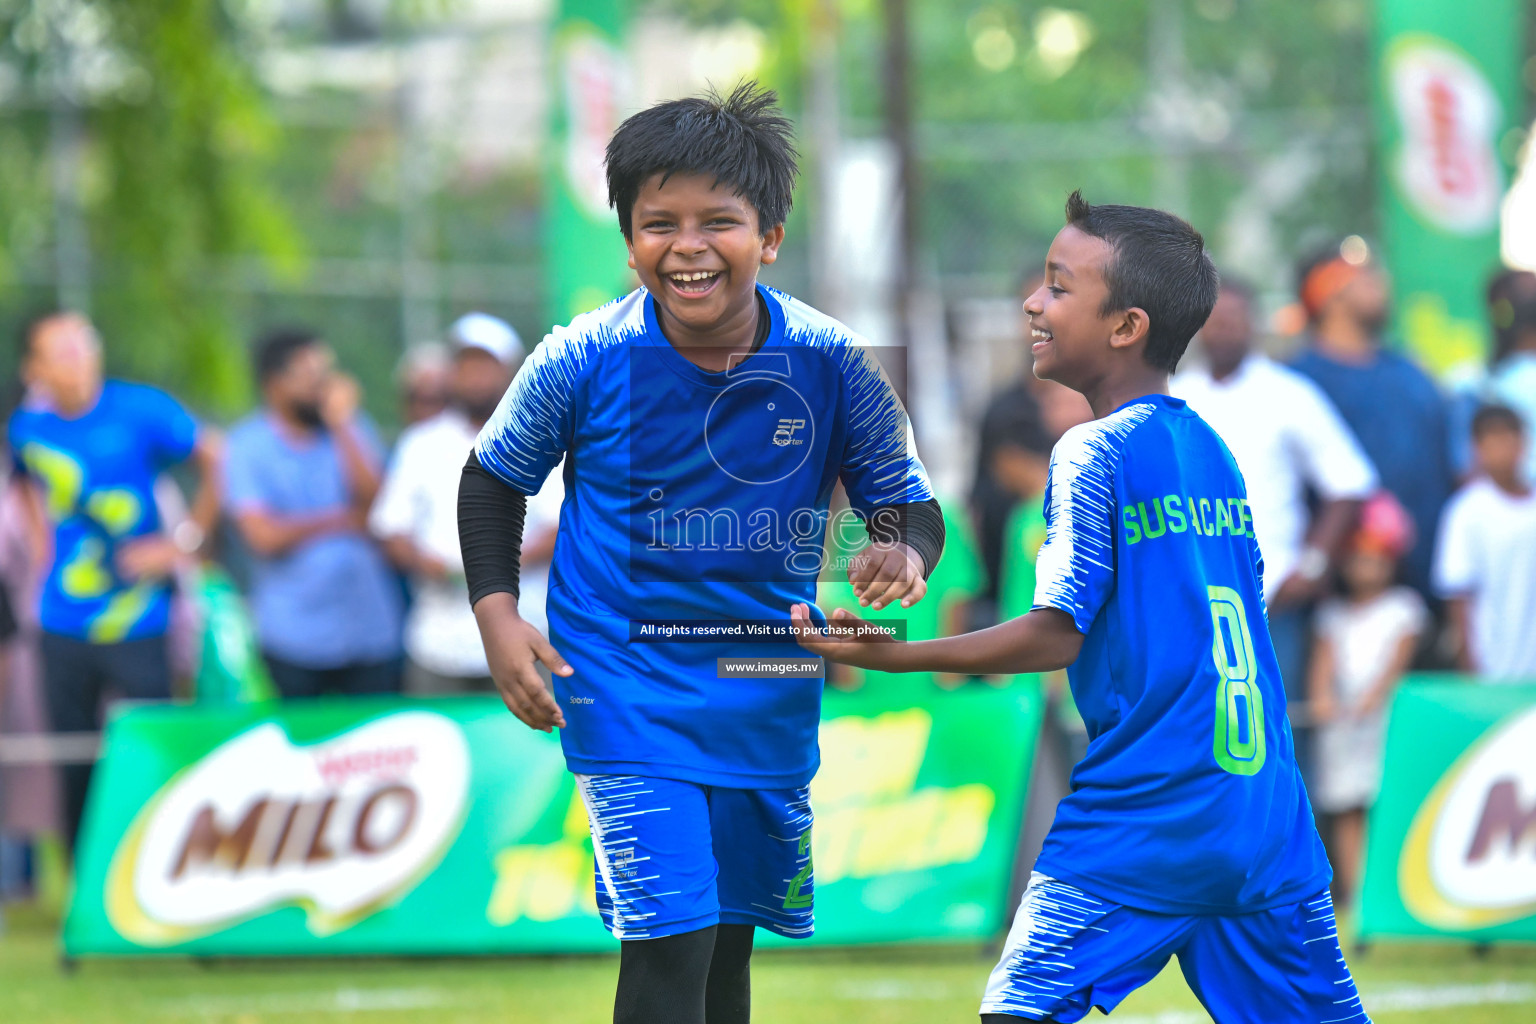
78, 679
701, 977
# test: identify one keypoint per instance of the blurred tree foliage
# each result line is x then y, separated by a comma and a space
149, 113
1016, 102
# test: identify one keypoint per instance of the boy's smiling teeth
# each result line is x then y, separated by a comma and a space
701, 275
1035, 332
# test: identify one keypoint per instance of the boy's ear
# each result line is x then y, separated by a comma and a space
772, 239
629, 243
1132, 325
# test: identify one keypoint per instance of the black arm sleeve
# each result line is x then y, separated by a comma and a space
490, 531
918, 524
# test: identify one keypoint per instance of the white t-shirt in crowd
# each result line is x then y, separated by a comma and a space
419, 499
1286, 436
1487, 554
1364, 637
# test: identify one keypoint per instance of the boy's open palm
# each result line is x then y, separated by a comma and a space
513, 647
869, 648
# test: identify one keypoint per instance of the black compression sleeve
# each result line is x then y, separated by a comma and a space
490, 531
918, 524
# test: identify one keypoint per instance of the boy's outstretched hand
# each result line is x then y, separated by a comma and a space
868, 648
512, 646
882, 574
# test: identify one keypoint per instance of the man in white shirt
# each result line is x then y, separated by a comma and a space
1287, 439
1485, 561
416, 517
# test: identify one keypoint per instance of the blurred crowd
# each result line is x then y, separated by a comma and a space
347, 557
1395, 516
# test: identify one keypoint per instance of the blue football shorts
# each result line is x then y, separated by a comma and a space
674, 857
1069, 952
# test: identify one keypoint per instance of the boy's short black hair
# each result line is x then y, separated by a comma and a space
276, 349
1493, 417
744, 141
1160, 265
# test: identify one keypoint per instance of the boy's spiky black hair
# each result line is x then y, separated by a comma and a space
1160, 265
743, 140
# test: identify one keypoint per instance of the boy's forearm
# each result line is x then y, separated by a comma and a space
1042, 641
363, 473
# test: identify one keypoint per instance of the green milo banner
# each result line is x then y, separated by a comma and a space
1452, 839
591, 92
1447, 93
393, 826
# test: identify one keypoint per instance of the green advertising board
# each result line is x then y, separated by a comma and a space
1452, 838
591, 93
1448, 75
393, 826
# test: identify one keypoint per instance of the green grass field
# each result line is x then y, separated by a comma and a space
1421, 983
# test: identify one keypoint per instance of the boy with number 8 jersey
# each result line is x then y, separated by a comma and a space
1187, 831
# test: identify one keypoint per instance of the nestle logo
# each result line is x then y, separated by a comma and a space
389, 761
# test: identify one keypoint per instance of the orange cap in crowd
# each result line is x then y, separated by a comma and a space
1325, 281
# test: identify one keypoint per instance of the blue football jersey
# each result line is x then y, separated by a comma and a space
1188, 799
698, 498
97, 476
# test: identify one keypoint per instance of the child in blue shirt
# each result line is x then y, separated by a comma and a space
703, 421
1187, 831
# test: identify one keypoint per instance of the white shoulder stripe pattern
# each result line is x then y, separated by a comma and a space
880, 434
1079, 522
527, 434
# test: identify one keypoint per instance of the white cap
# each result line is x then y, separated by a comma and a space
489, 334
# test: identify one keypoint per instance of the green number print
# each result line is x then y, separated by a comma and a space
1239, 740
795, 899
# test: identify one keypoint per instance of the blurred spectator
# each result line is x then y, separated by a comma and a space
302, 473
1512, 374
423, 375
1486, 560
1287, 440
1011, 412
1365, 642
1021, 463
88, 452
1394, 409
1026, 410
416, 516
29, 793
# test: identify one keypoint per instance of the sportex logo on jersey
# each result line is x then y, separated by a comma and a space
784, 435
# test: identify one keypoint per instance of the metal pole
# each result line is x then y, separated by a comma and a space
1166, 61
898, 127
71, 243
418, 284
822, 115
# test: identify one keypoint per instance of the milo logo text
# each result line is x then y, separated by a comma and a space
342, 827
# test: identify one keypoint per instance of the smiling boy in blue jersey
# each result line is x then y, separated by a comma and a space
704, 421
1187, 831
